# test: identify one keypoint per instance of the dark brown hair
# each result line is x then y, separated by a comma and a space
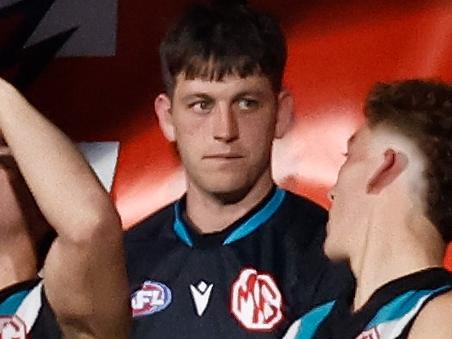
226, 37
422, 111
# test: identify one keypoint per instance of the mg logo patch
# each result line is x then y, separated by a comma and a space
369, 334
256, 301
151, 298
12, 328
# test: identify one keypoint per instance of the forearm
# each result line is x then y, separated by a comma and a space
62, 183
86, 258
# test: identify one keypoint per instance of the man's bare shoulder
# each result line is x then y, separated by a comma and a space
434, 321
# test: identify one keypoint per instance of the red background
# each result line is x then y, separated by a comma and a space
337, 50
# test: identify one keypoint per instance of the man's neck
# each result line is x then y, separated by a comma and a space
391, 252
17, 260
209, 213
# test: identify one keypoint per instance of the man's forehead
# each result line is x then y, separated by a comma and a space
228, 82
226, 78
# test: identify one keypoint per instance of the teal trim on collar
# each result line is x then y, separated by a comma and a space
311, 321
402, 305
180, 228
246, 228
257, 219
12, 303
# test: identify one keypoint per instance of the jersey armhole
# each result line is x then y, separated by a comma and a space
409, 326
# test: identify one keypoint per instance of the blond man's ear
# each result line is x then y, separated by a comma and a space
392, 165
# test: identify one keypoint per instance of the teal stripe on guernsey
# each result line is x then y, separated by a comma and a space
312, 320
12, 303
249, 226
402, 305
180, 228
257, 219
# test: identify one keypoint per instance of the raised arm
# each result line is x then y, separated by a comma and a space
85, 279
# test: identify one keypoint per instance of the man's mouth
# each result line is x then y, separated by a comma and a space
225, 156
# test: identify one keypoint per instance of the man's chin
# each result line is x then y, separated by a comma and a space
231, 195
228, 187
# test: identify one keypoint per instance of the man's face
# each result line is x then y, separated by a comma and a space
10, 207
347, 197
8, 167
19, 213
224, 131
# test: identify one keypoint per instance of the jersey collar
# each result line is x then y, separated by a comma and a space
11, 297
350, 323
238, 230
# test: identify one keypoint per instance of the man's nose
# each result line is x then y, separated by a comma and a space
225, 125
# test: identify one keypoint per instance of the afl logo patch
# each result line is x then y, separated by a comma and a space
12, 328
151, 298
369, 334
256, 301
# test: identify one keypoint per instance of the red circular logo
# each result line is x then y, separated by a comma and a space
256, 301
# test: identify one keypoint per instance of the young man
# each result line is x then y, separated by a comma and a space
47, 187
236, 257
391, 217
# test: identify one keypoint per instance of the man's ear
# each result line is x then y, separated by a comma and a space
392, 166
162, 106
284, 113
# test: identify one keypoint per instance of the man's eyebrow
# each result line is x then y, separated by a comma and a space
205, 96
194, 96
257, 93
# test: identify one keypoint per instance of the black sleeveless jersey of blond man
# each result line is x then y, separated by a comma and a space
25, 312
250, 281
388, 314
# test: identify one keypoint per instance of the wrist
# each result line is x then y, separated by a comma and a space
10, 98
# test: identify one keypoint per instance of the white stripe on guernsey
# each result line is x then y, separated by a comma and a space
293, 330
392, 329
29, 309
103, 157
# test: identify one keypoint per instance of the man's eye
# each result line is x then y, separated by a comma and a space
247, 104
201, 106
